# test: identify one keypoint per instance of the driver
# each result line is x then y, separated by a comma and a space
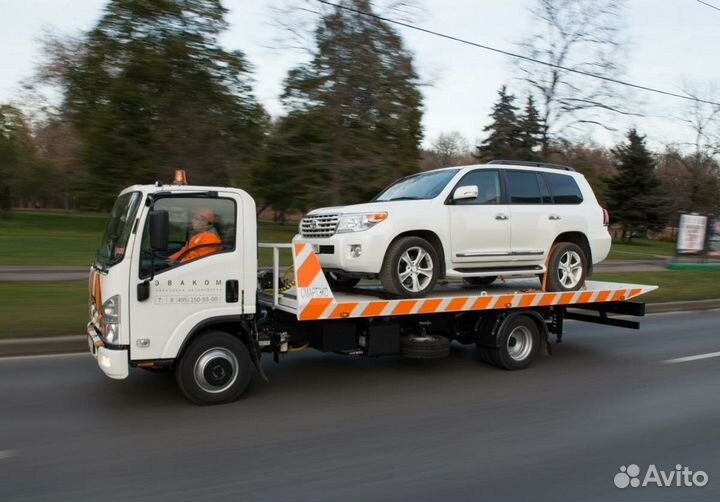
204, 240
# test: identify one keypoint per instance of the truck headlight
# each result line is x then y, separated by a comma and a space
111, 319
111, 310
359, 221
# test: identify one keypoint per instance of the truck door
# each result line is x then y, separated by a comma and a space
480, 227
194, 281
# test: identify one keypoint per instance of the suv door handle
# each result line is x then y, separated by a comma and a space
553, 217
501, 216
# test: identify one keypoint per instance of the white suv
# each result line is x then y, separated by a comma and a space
474, 222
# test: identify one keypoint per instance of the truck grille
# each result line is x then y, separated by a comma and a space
319, 225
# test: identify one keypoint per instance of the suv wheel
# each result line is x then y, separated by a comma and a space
566, 268
410, 269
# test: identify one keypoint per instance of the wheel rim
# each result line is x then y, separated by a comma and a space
415, 269
519, 343
570, 269
216, 370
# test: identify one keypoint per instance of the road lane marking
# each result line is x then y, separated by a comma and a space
691, 358
44, 356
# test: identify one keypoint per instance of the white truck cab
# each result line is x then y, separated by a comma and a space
143, 308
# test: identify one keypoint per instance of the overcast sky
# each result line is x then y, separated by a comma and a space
670, 42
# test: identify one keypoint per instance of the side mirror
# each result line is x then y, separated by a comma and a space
466, 192
159, 230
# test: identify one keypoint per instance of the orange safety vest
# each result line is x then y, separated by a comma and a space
208, 239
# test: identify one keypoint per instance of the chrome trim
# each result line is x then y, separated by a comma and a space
512, 253
319, 225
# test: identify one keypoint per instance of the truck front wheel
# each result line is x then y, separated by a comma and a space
214, 369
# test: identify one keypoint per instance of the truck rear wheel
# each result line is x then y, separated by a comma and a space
517, 344
214, 369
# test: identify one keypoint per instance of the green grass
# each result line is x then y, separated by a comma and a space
674, 285
71, 238
641, 249
50, 238
43, 308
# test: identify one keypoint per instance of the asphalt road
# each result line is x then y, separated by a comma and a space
334, 428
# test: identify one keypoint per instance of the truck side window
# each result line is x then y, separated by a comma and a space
563, 188
488, 183
523, 187
199, 229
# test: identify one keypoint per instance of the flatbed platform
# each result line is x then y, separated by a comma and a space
312, 299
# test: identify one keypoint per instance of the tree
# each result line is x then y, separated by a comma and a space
354, 108
511, 136
448, 149
25, 178
530, 131
693, 179
581, 35
149, 90
634, 197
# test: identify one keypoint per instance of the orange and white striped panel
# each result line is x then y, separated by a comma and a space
313, 290
318, 308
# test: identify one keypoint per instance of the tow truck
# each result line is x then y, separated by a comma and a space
211, 319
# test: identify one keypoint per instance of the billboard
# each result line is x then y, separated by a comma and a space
691, 234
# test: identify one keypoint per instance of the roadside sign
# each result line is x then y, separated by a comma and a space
691, 234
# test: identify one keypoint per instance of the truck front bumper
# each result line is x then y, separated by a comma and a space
113, 362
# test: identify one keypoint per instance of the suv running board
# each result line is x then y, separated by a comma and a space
480, 272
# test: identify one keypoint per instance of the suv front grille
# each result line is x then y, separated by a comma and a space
319, 225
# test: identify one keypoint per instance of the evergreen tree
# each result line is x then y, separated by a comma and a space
634, 198
504, 138
353, 110
531, 131
151, 90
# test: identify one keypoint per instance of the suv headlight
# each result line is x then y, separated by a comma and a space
111, 319
359, 221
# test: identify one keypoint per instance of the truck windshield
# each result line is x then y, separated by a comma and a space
112, 247
418, 186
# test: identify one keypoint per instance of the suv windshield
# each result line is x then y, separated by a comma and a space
418, 186
112, 247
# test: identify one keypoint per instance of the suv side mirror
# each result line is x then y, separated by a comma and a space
466, 192
159, 230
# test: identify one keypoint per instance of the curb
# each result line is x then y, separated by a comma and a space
13, 347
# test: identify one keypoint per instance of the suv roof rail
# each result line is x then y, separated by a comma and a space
531, 163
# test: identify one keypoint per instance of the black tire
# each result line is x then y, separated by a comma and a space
424, 346
479, 281
484, 354
214, 369
518, 344
567, 267
339, 282
395, 264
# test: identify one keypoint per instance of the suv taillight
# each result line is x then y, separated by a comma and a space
606, 217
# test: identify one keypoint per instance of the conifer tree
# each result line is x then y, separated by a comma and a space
634, 197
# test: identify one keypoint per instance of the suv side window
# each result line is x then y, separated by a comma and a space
523, 187
488, 183
564, 189
199, 228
